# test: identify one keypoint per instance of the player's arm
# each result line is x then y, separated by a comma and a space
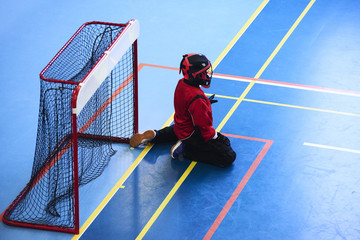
201, 114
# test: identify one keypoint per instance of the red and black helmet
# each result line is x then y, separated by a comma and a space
196, 68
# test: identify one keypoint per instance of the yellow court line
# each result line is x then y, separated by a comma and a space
288, 105
298, 20
305, 108
234, 107
118, 185
240, 33
222, 96
166, 200
112, 192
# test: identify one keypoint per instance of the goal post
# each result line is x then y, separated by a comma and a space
88, 100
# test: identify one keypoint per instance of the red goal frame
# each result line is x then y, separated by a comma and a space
126, 38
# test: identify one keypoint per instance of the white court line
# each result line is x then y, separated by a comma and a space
332, 148
289, 85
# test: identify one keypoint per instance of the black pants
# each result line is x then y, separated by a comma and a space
217, 152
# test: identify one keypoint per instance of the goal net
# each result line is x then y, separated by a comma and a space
88, 100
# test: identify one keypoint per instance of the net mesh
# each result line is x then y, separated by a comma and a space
48, 198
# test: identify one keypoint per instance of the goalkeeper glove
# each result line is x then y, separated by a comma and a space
211, 98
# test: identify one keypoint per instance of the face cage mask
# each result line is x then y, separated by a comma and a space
203, 77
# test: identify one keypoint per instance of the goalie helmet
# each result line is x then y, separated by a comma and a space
196, 68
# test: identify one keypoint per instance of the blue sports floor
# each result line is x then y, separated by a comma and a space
287, 80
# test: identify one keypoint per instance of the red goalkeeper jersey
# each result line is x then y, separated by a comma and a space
192, 108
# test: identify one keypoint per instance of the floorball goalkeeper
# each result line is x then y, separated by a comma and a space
197, 140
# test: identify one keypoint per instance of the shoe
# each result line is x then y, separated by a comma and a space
177, 150
140, 138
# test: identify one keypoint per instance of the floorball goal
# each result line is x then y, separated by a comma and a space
88, 101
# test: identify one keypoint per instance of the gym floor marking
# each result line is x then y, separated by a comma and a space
305, 108
331, 147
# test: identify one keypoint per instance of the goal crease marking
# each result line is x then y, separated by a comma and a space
192, 165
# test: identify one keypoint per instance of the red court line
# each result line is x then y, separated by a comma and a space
156, 66
288, 84
266, 81
242, 183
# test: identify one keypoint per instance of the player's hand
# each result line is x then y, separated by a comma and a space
212, 100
